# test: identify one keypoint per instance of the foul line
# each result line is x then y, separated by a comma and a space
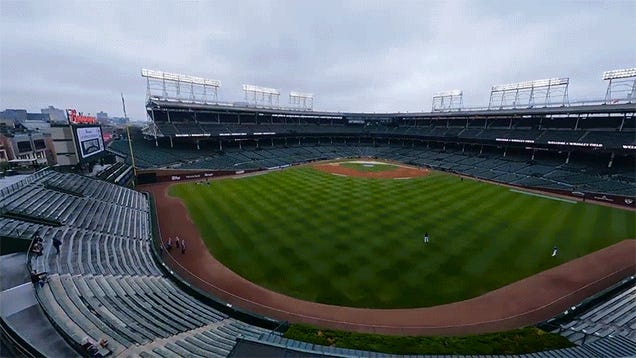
544, 196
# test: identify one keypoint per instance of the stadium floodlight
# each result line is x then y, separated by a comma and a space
621, 86
180, 87
624, 73
449, 93
301, 94
261, 96
448, 101
532, 84
266, 90
513, 95
301, 100
181, 78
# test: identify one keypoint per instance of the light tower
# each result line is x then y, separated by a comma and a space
448, 101
261, 96
553, 92
301, 100
621, 85
172, 86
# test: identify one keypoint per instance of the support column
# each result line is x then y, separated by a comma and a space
154, 126
171, 144
576, 125
620, 128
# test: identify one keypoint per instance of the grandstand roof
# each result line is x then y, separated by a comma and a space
579, 109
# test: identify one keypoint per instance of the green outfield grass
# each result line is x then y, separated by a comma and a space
375, 167
358, 242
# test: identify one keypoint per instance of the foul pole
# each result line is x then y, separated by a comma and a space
132, 154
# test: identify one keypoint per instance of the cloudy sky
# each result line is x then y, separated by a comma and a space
353, 55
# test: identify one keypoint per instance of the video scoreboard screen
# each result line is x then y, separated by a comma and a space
89, 141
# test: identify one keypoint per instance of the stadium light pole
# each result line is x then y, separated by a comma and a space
258, 95
620, 81
510, 95
171, 85
447, 101
301, 100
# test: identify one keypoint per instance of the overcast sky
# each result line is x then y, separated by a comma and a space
363, 55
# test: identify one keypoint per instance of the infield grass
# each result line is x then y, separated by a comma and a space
358, 241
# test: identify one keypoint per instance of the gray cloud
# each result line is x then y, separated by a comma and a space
357, 55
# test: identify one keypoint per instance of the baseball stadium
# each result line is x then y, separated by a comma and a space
255, 229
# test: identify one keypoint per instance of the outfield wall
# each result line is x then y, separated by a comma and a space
175, 175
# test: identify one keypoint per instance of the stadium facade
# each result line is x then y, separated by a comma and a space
583, 150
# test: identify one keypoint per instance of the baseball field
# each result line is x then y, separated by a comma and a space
357, 241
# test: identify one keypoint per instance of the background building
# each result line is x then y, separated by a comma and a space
56, 114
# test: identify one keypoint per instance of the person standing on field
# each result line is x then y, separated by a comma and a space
426, 238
